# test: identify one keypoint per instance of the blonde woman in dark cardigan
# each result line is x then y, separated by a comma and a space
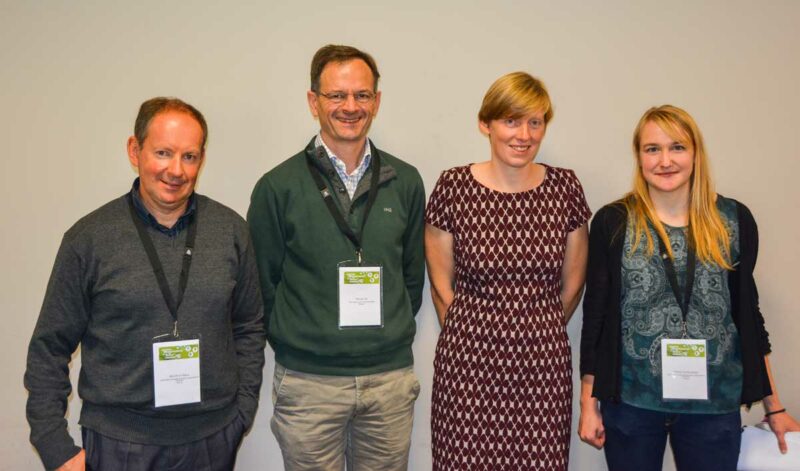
673, 341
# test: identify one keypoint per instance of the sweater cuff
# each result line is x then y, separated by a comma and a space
56, 448
247, 409
587, 366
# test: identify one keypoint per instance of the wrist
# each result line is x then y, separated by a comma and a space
772, 403
589, 402
774, 412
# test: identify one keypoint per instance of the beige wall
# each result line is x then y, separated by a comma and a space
72, 75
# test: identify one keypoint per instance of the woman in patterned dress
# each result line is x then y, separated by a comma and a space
671, 272
506, 246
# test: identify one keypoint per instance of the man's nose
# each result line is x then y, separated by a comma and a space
175, 167
350, 103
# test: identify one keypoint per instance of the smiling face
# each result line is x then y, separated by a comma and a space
515, 141
666, 162
168, 161
347, 122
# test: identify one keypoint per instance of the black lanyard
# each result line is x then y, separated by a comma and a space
334, 210
669, 268
172, 303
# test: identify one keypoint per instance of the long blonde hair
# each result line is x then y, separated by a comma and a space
708, 234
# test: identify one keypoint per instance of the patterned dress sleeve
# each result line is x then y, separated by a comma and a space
578, 211
439, 210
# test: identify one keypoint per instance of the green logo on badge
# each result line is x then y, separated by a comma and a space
685, 350
362, 277
183, 352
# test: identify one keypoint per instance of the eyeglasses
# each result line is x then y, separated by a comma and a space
340, 97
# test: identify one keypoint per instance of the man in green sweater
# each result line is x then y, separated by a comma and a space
338, 233
160, 289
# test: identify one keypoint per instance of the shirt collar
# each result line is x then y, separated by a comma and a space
143, 213
365, 159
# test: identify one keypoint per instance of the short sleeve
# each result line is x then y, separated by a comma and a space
578, 211
439, 211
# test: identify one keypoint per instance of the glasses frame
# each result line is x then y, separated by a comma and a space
362, 97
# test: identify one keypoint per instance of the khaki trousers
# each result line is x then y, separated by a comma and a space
323, 423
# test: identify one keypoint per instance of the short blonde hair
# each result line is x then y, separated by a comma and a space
515, 95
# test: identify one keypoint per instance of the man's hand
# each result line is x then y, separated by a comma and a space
76, 463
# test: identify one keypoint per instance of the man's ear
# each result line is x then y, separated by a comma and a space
133, 151
312, 103
377, 104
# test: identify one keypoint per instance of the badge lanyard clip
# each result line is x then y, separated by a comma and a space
172, 303
669, 268
684, 362
327, 197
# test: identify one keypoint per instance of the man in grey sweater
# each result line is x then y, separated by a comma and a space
160, 289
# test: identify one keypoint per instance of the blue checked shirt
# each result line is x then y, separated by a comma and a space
350, 181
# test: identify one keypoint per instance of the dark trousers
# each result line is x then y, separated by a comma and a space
636, 439
214, 453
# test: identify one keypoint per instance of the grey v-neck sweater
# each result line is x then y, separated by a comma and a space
104, 296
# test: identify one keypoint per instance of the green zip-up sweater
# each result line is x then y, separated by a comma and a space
298, 246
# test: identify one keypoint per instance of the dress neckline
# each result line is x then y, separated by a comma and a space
547, 171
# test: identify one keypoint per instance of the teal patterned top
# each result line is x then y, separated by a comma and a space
650, 313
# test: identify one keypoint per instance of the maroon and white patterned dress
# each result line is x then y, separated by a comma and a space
502, 387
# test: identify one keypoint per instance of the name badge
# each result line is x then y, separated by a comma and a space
176, 372
684, 369
360, 296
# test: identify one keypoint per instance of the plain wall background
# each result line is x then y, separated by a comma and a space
72, 75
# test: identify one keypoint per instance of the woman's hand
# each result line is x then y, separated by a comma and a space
780, 424
590, 426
